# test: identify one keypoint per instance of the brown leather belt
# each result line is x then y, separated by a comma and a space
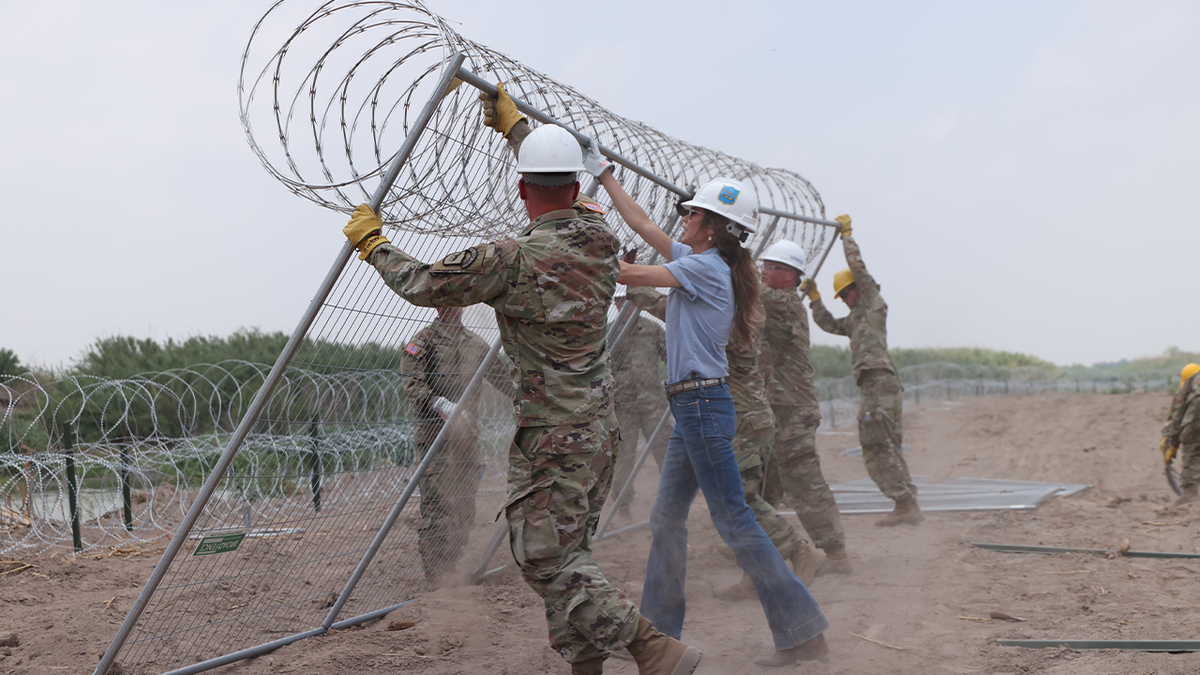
688, 385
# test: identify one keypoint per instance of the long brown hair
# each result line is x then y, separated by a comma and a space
745, 276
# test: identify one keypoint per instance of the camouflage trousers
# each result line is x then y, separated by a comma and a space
1189, 464
640, 417
448, 490
752, 450
558, 480
880, 432
794, 477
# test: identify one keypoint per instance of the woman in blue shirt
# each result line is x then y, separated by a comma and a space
714, 285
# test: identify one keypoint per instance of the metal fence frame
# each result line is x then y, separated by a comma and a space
450, 72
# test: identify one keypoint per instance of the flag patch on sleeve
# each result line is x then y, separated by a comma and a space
412, 349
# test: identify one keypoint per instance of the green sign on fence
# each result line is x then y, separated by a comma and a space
219, 543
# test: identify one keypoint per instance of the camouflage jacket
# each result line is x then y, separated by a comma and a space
866, 324
746, 382
784, 356
551, 288
440, 360
1187, 396
638, 360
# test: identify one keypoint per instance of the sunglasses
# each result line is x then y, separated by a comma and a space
686, 211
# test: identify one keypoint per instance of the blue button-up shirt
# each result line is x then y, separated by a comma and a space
699, 314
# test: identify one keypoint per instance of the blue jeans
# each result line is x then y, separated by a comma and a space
700, 456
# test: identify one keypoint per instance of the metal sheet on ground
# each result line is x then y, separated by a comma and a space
857, 451
1139, 645
953, 494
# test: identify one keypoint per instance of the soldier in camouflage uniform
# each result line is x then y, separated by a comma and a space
637, 363
751, 448
1181, 435
881, 396
438, 362
794, 472
550, 288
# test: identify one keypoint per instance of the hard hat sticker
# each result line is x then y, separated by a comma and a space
728, 195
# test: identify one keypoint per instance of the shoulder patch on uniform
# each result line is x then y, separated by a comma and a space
590, 205
467, 260
412, 348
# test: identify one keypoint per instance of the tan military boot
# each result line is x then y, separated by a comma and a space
906, 513
806, 560
836, 561
1191, 493
742, 590
590, 667
657, 654
810, 650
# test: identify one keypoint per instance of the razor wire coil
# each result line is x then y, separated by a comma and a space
324, 111
161, 434
163, 431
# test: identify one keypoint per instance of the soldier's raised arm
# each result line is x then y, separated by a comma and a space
501, 114
474, 275
862, 278
828, 322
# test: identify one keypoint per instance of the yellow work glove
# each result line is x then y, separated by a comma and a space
499, 112
363, 231
1168, 452
809, 288
845, 221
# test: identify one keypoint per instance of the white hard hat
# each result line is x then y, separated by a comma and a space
550, 149
788, 253
727, 197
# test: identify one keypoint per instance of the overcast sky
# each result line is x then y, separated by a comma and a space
1021, 174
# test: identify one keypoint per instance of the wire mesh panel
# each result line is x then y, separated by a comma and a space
342, 501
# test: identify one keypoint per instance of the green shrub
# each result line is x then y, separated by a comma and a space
835, 361
9, 363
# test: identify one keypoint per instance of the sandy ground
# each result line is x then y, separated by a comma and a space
924, 591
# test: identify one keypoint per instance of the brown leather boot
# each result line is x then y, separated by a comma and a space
812, 649
742, 590
657, 654
590, 667
906, 513
836, 561
806, 560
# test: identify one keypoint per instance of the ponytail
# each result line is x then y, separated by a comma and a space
747, 308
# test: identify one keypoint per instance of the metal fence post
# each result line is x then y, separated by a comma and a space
314, 461
72, 488
126, 497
